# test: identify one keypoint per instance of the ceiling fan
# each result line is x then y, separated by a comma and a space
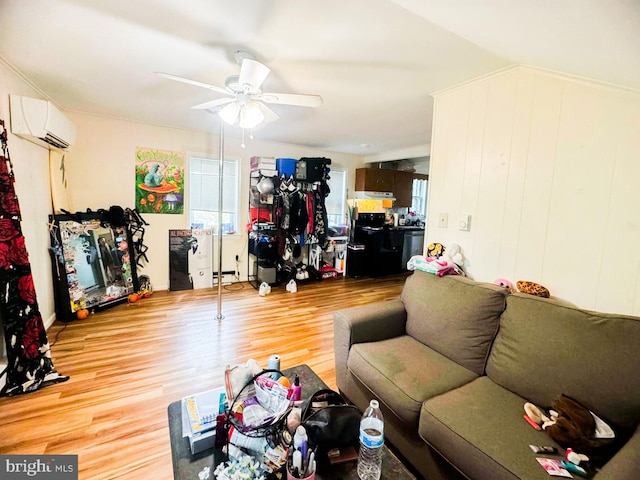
245, 101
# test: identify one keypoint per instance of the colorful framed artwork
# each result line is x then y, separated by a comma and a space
159, 181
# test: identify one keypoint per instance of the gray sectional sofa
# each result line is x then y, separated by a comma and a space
453, 361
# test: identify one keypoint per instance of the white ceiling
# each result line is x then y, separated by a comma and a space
374, 62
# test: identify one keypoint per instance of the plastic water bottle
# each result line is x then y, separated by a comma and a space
371, 442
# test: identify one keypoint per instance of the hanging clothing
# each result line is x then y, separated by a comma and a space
310, 211
320, 217
301, 216
29, 357
285, 222
294, 211
277, 209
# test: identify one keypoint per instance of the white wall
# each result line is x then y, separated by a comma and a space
548, 166
31, 168
101, 166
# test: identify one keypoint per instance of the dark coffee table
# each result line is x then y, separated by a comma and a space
187, 466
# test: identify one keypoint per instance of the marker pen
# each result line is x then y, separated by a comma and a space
297, 460
310, 464
531, 422
543, 449
570, 467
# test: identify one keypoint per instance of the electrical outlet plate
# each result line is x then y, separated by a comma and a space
227, 279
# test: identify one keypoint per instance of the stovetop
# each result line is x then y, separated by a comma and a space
370, 220
408, 227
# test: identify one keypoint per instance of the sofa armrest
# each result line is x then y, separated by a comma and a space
366, 323
624, 464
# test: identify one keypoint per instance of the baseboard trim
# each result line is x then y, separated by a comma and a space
49, 321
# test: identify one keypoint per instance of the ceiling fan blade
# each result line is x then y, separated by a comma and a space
252, 74
290, 99
213, 103
194, 82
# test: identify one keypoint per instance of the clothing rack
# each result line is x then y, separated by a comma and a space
291, 217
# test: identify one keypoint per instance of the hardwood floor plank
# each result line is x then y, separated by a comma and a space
129, 362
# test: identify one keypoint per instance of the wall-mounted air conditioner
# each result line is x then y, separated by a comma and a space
41, 122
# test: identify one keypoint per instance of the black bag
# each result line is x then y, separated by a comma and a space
312, 169
330, 422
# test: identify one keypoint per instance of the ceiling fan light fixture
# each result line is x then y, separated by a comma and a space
247, 106
251, 115
230, 113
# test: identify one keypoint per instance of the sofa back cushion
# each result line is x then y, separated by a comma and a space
454, 316
545, 348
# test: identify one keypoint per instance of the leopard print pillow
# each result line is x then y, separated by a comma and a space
532, 288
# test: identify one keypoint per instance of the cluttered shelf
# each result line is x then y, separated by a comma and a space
289, 238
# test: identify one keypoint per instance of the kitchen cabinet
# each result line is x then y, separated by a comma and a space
399, 182
374, 180
402, 188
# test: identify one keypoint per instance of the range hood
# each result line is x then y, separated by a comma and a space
374, 196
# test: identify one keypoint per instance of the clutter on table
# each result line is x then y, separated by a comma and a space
260, 420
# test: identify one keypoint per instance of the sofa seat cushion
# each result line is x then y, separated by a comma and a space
403, 373
479, 428
454, 315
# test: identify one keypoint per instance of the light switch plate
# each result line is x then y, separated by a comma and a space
443, 219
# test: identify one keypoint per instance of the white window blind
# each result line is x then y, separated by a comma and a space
204, 192
336, 201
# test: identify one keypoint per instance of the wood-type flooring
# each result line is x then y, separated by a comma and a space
129, 362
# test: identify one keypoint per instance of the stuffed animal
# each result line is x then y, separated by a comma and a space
572, 425
575, 428
532, 288
453, 254
504, 283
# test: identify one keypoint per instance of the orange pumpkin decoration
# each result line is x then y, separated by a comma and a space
133, 297
82, 313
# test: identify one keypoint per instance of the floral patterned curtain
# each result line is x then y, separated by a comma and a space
30, 366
